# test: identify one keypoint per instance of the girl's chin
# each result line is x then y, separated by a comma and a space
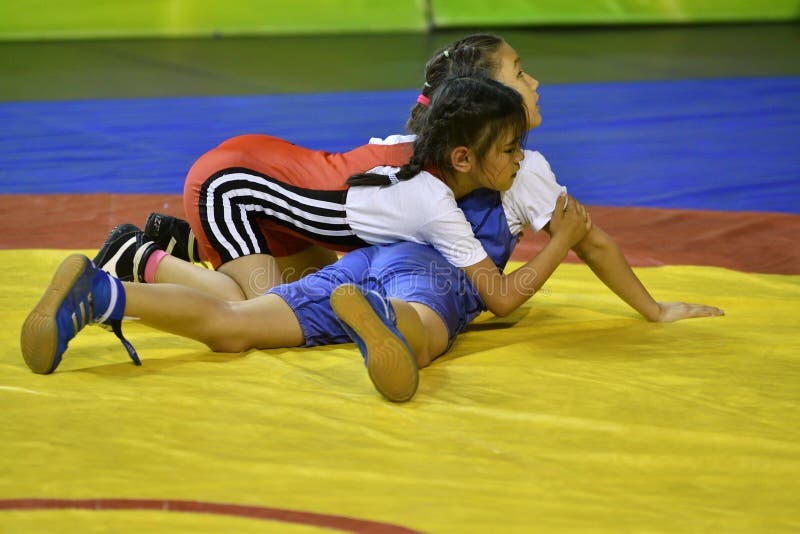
535, 121
506, 186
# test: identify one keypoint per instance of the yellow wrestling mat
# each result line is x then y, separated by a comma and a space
572, 415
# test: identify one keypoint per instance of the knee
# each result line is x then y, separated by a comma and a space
252, 275
233, 293
222, 331
226, 340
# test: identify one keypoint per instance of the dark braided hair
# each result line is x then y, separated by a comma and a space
473, 55
471, 111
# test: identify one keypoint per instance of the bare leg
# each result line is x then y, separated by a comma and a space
423, 329
246, 277
266, 322
239, 279
308, 261
254, 274
172, 270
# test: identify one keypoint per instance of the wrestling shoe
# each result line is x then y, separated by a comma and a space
125, 253
79, 294
173, 235
369, 320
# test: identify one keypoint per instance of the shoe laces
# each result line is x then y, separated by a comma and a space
84, 315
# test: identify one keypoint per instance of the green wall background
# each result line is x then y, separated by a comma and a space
453, 13
80, 19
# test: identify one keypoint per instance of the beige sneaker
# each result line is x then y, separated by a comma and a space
369, 320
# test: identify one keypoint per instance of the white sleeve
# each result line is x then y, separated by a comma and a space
392, 139
532, 197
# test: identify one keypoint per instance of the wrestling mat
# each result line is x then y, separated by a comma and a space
572, 414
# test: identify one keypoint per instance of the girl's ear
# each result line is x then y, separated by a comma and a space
461, 159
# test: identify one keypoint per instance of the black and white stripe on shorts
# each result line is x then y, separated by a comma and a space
232, 202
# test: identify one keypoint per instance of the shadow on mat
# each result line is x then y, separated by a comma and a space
602, 341
154, 365
495, 323
125, 368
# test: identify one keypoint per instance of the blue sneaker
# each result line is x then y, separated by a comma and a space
79, 294
369, 320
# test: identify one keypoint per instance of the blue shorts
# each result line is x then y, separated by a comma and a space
407, 271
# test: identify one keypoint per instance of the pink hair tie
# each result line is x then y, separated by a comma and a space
424, 100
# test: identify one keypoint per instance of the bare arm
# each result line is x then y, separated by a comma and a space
503, 294
601, 253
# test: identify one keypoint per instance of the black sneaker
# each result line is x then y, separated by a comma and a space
125, 253
173, 235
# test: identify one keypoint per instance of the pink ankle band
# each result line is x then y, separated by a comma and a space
152, 266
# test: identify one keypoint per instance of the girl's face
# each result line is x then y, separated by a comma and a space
501, 163
510, 73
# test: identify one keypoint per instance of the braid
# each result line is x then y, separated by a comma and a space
409, 170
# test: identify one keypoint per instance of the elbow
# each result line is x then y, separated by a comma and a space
594, 244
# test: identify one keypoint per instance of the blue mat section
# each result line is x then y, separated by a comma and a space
730, 144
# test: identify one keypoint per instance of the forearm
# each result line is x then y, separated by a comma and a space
569, 225
601, 253
516, 288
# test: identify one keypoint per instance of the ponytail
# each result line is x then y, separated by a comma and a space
409, 170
